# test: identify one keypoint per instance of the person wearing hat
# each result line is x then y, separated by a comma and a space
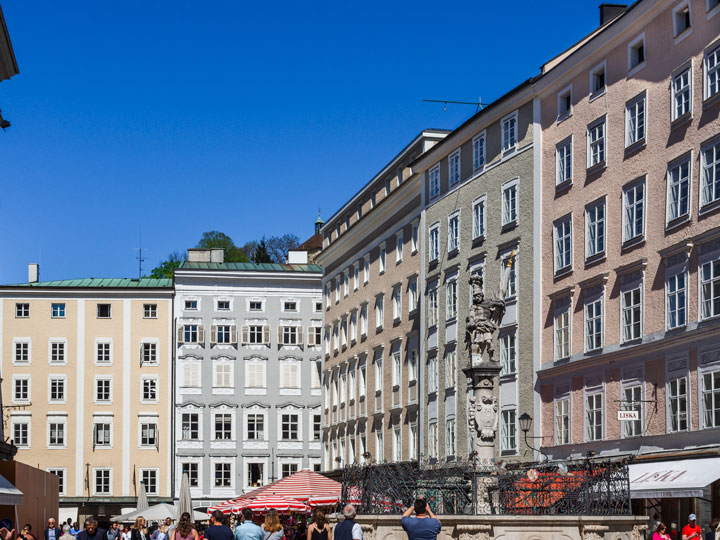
691, 531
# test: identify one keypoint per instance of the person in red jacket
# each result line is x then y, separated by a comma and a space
691, 531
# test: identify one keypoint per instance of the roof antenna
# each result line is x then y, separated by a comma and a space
140, 257
479, 104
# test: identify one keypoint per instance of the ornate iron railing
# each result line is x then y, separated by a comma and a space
585, 488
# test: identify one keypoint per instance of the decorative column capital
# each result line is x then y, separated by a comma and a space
594, 531
473, 531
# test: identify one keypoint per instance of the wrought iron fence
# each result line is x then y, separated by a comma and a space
584, 488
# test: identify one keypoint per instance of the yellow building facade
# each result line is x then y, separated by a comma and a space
87, 387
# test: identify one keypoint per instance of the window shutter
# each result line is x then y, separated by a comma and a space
245, 334
180, 334
293, 375
266, 335
280, 335
300, 335
201, 334
213, 334
233, 334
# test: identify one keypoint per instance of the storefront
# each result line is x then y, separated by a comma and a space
669, 491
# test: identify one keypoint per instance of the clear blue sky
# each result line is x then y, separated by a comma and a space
174, 118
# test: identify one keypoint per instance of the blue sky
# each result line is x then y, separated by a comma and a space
168, 119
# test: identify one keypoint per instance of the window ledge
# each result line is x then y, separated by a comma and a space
594, 169
634, 341
709, 207
598, 93
595, 259
682, 35
635, 147
633, 70
564, 272
677, 222
479, 238
710, 101
509, 226
453, 252
508, 151
633, 242
564, 116
563, 186
681, 120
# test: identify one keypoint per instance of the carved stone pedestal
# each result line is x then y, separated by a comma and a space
483, 410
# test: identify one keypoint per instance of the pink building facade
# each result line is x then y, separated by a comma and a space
629, 311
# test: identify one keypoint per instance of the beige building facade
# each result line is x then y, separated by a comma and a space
371, 298
86, 380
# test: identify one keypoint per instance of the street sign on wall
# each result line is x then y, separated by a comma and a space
628, 415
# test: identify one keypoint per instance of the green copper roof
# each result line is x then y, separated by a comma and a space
251, 267
115, 283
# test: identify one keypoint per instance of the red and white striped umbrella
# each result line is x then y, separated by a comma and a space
225, 507
263, 503
329, 500
303, 485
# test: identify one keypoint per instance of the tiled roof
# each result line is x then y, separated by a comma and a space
112, 283
251, 267
314, 242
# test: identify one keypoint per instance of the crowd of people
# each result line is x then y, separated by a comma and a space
691, 531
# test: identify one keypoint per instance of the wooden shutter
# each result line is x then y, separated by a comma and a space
181, 334
213, 334
299, 335
280, 335
293, 380
233, 334
245, 334
311, 336
266, 335
201, 334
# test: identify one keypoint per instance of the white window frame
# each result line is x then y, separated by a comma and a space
563, 244
587, 321
453, 241
713, 282
508, 218
670, 279
103, 341
59, 420
509, 146
562, 433
604, 138
479, 151
708, 174
508, 431
21, 419
562, 331
22, 341
224, 362
451, 298
379, 310
508, 343
454, 168
623, 308
710, 370
434, 242
412, 295
675, 92
627, 426
671, 202
414, 238
433, 306
587, 393
564, 161
144, 378
679, 35
97, 379
434, 181
109, 491
562, 96
636, 134
635, 64
598, 226
677, 377
61, 473
633, 187
57, 377
399, 247
597, 92
397, 302
479, 221
382, 258
154, 470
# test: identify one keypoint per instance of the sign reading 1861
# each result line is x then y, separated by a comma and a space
628, 415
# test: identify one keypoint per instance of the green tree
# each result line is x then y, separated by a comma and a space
278, 246
166, 269
261, 254
217, 239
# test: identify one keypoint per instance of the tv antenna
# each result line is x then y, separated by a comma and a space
479, 105
140, 257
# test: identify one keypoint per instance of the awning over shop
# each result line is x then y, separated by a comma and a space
9, 494
668, 479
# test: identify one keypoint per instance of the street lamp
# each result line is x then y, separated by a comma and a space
525, 421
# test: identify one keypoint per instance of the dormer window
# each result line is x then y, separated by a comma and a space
681, 19
636, 54
565, 103
597, 81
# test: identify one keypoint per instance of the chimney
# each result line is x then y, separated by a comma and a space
198, 255
217, 255
609, 11
296, 256
33, 272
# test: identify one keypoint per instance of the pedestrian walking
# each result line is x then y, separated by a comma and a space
272, 528
348, 529
66, 533
139, 530
114, 532
92, 531
217, 529
75, 529
184, 529
52, 531
424, 525
319, 528
661, 532
691, 531
247, 530
163, 532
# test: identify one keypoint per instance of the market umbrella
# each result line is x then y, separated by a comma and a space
185, 502
263, 503
142, 500
302, 485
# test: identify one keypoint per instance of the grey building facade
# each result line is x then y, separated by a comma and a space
247, 373
478, 200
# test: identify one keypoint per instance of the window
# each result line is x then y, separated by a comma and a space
22, 352
255, 375
632, 401
289, 427
636, 54
366, 270
478, 145
224, 334
21, 433
432, 439
479, 217
318, 303
399, 247
148, 434
148, 353
563, 162
412, 295
222, 376
104, 311
710, 289
678, 404
58, 311
56, 433
434, 241
190, 333
712, 73
509, 132
412, 441
450, 449
289, 375
594, 417
509, 202
102, 434
450, 369
453, 232
635, 121
632, 314
256, 334
412, 365
102, 481
512, 281
433, 311
597, 80
103, 390
103, 352
596, 143
634, 211
290, 335
676, 291
397, 302
191, 304
378, 374
149, 311
712, 4
57, 389
191, 374
379, 311
454, 168
562, 334
379, 446
149, 477
60, 473
451, 300
223, 427
190, 423
363, 320
711, 399
397, 369
315, 336
414, 235
287, 469
290, 306
396, 444
595, 230
22, 310
508, 440
432, 374
255, 305
57, 352
562, 421
564, 105
255, 476
223, 305
681, 18
710, 174
255, 427
593, 325
317, 427
678, 190
149, 389
508, 353
563, 244
381, 259
223, 475
434, 181
192, 470
681, 94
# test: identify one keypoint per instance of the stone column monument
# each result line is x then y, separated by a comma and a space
483, 369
